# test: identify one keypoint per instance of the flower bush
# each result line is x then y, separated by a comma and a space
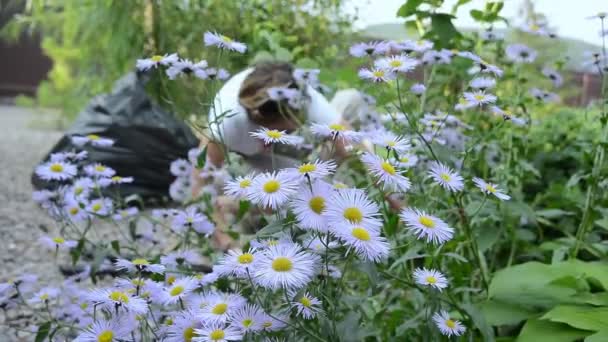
430, 228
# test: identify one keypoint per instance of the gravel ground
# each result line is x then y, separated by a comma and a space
21, 148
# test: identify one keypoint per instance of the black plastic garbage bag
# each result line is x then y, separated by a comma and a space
147, 139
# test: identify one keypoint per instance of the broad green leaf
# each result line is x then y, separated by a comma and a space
479, 321
477, 14
538, 330
43, 331
442, 26
201, 159
600, 336
579, 316
243, 208
409, 8
272, 228
552, 213
503, 313
116, 246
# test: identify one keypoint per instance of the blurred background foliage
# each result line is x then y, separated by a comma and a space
94, 42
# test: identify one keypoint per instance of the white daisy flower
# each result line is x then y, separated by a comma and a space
490, 188
220, 306
430, 277
56, 171
317, 244
248, 318
416, 46
274, 136
482, 83
418, 89
99, 170
349, 207
74, 211
82, 186
191, 218
182, 327
336, 131
145, 64
406, 161
100, 206
282, 93
427, 227
114, 299
490, 69
432, 57
520, 53
223, 42
180, 258
479, 98
57, 243
180, 168
138, 265
401, 63
212, 74
307, 76
92, 139
117, 329
285, 266
179, 289
272, 189
205, 279
103, 182
239, 187
368, 49
310, 206
237, 263
283, 239
599, 15
217, 332
126, 213
490, 35
464, 104
312, 170
306, 306
376, 75
367, 243
182, 66
391, 141
446, 177
275, 322
508, 116
446, 325
554, 76
44, 295
386, 173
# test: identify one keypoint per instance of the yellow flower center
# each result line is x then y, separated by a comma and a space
116, 179
219, 309
404, 159
534, 27
100, 168
420, 43
306, 168
390, 143
169, 321
245, 183
427, 221
271, 186
105, 336
188, 334
272, 242
93, 137
44, 296
138, 282
339, 185
479, 97
274, 134
337, 127
395, 63
317, 204
267, 324
282, 264
56, 167
431, 280
463, 101
118, 296
490, 188
78, 190
378, 73
176, 291
245, 258
217, 335
306, 302
446, 177
353, 215
156, 58
140, 262
388, 168
96, 207
227, 39
84, 306
171, 279
450, 323
247, 322
360, 234
59, 240
74, 210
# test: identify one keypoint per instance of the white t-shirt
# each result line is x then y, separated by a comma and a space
230, 124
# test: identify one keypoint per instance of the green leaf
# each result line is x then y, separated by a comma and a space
76, 252
409, 8
600, 336
502, 313
479, 321
537, 330
552, 213
443, 28
477, 14
201, 159
43, 331
282, 54
579, 316
272, 228
116, 246
243, 208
